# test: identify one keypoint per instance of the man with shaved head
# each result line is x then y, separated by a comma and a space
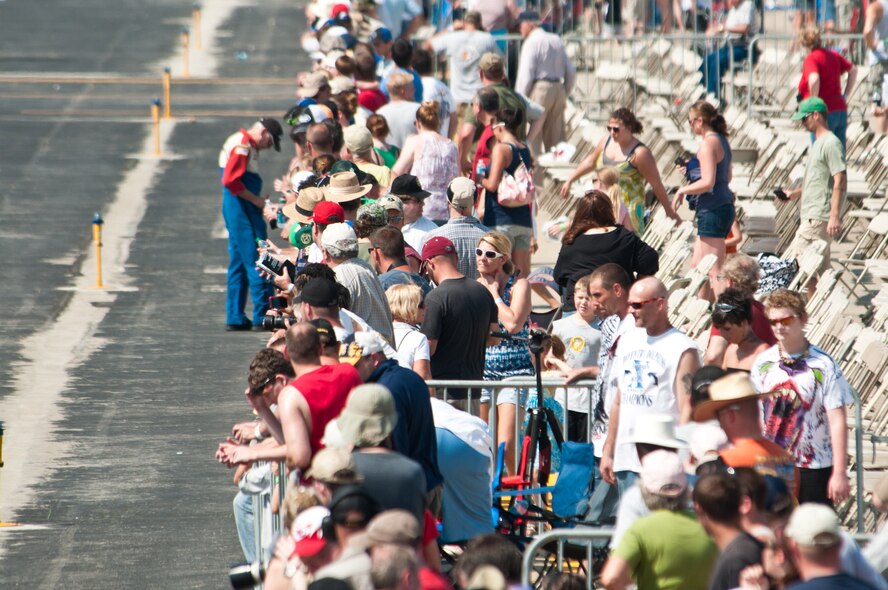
652, 373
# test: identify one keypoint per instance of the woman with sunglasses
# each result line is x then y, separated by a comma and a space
709, 195
804, 395
594, 238
633, 161
508, 358
732, 315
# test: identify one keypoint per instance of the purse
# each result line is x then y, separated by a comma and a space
518, 189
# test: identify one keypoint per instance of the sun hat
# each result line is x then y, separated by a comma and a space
706, 441
334, 466
312, 84
344, 187
327, 213
341, 84
307, 531
656, 429
305, 204
662, 474
461, 193
369, 415
811, 105
364, 344
814, 525
723, 392
340, 238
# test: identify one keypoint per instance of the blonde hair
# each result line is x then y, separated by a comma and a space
297, 499
404, 301
427, 115
784, 298
502, 244
743, 271
397, 82
609, 178
809, 38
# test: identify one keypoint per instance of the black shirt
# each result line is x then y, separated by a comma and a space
740, 553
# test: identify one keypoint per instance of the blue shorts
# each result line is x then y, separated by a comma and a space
715, 223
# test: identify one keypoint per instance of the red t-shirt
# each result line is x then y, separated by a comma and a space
371, 99
830, 66
432, 580
482, 152
325, 390
760, 325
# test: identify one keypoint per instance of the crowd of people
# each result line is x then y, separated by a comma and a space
400, 252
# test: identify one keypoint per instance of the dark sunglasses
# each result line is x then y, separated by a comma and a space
613, 129
254, 391
640, 304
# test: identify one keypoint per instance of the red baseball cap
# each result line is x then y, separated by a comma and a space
327, 212
307, 531
437, 246
337, 8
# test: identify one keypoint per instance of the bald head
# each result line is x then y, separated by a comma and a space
648, 288
319, 136
303, 344
648, 305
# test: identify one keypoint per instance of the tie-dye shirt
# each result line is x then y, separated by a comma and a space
799, 394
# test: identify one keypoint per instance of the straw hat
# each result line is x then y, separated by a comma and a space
304, 205
344, 187
724, 392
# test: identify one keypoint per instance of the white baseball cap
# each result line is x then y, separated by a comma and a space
814, 525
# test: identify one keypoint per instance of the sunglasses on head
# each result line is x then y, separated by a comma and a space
640, 304
488, 253
782, 321
726, 307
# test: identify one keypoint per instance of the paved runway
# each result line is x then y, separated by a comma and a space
113, 400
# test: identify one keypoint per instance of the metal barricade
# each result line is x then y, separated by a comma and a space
269, 525
584, 535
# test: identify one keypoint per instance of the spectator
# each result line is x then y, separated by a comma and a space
401, 17
717, 504
506, 358
366, 423
434, 90
394, 210
740, 272
379, 128
325, 213
734, 403
668, 548
593, 239
315, 86
875, 31
395, 568
359, 144
319, 138
653, 375
476, 162
634, 162
332, 469
370, 96
340, 244
402, 56
346, 190
804, 410
351, 510
395, 533
489, 550
463, 229
465, 458
508, 154
709, 195
408, 311
464, 48
400, 112
388, 259
431, 158
822, 76
460, 313
546, 75
732, 315
739, 26
304, 551
582, 338
877, 549
416, 225
823, 189
329, 341
414, 433
382, 42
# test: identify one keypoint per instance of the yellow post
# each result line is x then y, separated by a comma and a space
97, 238
155, 117
185, 72
195, 15
167, 83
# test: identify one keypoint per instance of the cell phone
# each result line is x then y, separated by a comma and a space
270, 264
277, 302
778, 192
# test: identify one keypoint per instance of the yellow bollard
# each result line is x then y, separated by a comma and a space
185, 71
155, 117
195, 16
97, 238
167, 83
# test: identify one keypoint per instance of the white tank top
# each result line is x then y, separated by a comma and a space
644, 371
880, 33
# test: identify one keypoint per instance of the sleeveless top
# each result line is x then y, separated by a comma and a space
510, 357
496, 215
880, 34
631, 184
325, 391
720, 194
435, 166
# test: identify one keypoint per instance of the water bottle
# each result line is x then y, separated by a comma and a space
281, 218
260, 243
877, 97
480, 170
273, 224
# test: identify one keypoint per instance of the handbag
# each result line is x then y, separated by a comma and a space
517, 189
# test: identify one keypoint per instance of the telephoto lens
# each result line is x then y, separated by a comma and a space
248, 575
277, 322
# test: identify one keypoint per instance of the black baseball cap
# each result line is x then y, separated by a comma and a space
408, 185
319, 292
702, 379
275, 129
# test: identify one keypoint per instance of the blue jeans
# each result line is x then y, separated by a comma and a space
838, 124
716, 64
625, 480
243, 520
604, 500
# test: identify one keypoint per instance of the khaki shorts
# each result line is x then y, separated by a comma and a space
810, 230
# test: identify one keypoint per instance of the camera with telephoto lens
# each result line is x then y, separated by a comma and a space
277, 322
248, 575
537, 339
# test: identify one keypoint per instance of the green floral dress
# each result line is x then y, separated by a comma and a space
631, 184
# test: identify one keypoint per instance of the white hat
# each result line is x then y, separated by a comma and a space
706, 441
364, 344
461, 193
814, 525
339, 237
662, 474
341, 84
656, 429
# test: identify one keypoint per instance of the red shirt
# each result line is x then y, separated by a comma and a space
760, 325
371, 99
325, 390
830, 66
482, 152
237, 165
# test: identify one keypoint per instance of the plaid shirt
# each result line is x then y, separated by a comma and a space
367, 297
464, 232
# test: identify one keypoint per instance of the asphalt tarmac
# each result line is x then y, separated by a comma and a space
114, 399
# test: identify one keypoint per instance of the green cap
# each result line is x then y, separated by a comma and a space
808, 106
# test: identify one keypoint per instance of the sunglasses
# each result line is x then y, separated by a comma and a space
488, 253
396, 218
613, 129
254, 391
726, 307
497, 125
782, 321
640, 304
